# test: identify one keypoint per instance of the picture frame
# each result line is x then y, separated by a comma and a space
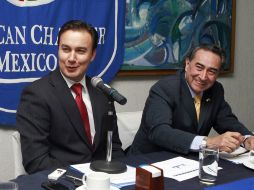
159, 34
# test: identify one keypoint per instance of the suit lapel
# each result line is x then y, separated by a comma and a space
206, 108
188, 102
69, 105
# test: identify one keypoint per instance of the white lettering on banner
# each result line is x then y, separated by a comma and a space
48, 36
29, 62
32, 62
44, 35
101, 32
39, 35
14, 35
48, 61
32, 34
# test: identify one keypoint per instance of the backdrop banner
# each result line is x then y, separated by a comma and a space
28, 42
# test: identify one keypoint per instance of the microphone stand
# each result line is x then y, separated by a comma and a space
109, 166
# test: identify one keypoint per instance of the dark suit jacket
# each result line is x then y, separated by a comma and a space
51, 129
169, 119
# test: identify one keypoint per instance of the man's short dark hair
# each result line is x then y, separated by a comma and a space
78, 25
208, 47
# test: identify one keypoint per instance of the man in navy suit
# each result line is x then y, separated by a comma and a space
170, 121
48, 118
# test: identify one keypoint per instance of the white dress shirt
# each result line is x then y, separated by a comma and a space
86, 99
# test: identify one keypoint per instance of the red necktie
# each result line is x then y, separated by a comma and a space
77, 88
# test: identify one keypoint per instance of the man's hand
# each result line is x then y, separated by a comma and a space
249, 143
227, 142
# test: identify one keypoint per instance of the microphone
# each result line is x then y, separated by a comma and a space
111, 92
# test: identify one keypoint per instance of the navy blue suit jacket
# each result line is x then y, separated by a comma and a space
51, 129
169, 119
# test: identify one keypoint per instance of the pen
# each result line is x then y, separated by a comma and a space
72, 177
77, 181
185, 172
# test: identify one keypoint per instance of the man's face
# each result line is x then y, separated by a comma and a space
202, 71
75, 53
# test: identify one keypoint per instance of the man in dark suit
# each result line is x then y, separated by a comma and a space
53, 133
170, 120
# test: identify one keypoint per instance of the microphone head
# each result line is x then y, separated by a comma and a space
95, 81
123, 101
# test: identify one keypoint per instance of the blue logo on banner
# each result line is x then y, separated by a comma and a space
28, 42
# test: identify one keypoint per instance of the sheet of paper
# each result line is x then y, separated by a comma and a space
235, 153
179, 168
118, 180
238, 159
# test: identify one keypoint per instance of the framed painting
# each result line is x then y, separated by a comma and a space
160, 33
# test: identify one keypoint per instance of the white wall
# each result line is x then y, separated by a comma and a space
239, 86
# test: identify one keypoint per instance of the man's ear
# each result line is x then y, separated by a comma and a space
93, 55
187, 63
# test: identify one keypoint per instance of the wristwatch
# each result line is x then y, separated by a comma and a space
204, 142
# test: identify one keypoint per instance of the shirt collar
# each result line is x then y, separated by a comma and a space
193, 94
70, 82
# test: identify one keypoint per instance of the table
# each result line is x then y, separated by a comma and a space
230, 172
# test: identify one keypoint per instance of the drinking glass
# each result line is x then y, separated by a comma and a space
208, 163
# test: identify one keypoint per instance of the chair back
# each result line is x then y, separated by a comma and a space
16, 147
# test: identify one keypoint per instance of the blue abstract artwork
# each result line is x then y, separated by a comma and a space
160, 33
